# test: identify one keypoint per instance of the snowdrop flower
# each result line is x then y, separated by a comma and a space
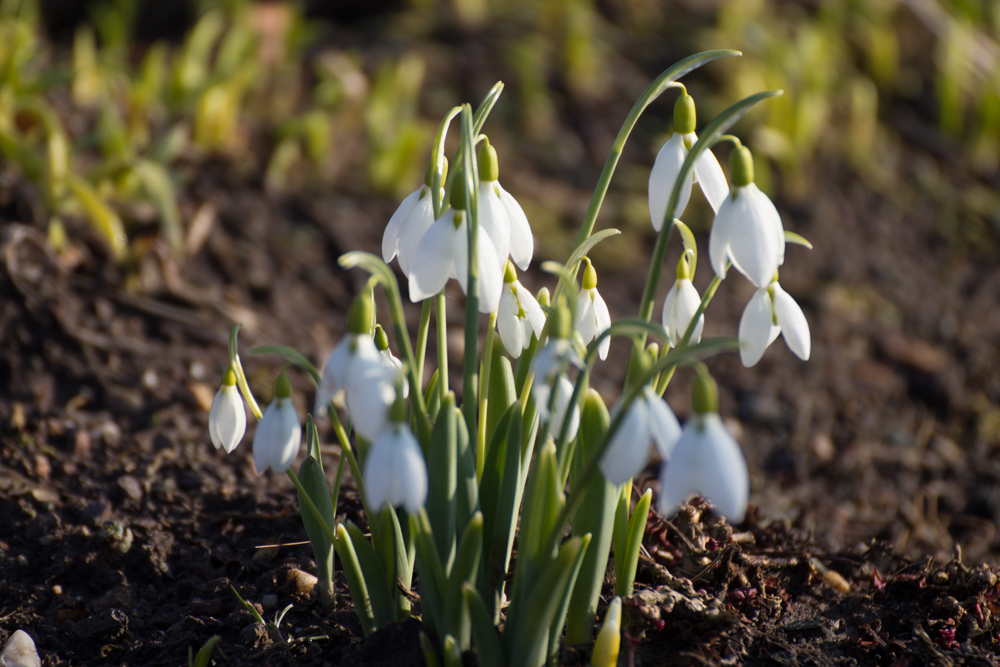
388, 359
679, 307
592, 316
518, 316
772, 311
706, 460
443, 253
557, 353
747, 229
647, 419
500, 214
554, 409
707, 172
356, 348
394, 470
279, 433
227, 421
410, 222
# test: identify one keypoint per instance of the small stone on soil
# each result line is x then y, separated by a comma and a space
20, 651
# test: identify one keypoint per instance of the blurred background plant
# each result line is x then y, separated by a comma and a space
109, 117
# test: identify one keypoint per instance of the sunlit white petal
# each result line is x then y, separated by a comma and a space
490, 270
602, 320
393, 230
628, 451
661, 180
277, 437
757, 328
394, 471
522, 243
227, 421
493, 218
679, 307
663, 425
508, 324
794, 327
436, 257
708, 461
710, 177
420, 219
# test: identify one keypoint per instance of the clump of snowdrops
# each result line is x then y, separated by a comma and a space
529, 452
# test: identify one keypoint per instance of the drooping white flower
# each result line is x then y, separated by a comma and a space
356, 347
556, 408
647, 419
368, 395
771, 311
500, 214
410, 222
706, 460
443, 253
679, 307
707, 172
388, 359
227, 420
394, 470
519, 315
278, 435
747, 229
592, 316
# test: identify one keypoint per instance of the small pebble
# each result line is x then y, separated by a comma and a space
57, 589
304, 582
150, 380
20, 651
269, 601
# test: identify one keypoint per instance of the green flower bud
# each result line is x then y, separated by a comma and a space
381, 339
361, 318
509, 273
705, 394
741, 167
589, 276
282, 386
684, 114
561, 321
652, 354
429, 175
489, 169
229, 377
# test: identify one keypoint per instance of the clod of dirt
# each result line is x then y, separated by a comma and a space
20, 651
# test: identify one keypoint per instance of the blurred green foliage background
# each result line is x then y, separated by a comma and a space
112, 111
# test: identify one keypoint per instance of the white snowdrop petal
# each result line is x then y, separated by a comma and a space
718, 237
420, 219
378, 472
710, 177
628, 451
564, 392
522, 243
508, 325
231, 419
493, 218
532, 311
370, 392
792, 321
393, 230
663, 425
586, 318
436, 258
721, 471
754, 245
688, 303
602, 320
213, 419
756, 325
661, 180
277, 438
411, 460
490, 275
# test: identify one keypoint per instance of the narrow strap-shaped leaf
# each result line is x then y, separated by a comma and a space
314, 483
467, 480
289, 354
501, 392
430, 656
489, 650
383, 609
241, 377
797, 239
456, 615
620, 538
442, 481
501, 476
633, 541
690, 245
584, 248
103, 218
433, 581
355, 580
452, 652
157, 182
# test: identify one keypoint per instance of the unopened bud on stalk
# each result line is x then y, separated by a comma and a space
361, 319
457, 198
685, 118
741, 167
489, 169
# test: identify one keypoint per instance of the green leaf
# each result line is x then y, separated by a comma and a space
105, 221
241, 378
528, 640
620, 537
690, 245
160, 188
291, 355
373, 264
433, 581
501, 393
497, 495
430, 656
484, 108
456, 615
595, 516
314, 483
489, 650
204, 657
452, 652
633, 541
355, 580
383, 610
797, 239
442, 481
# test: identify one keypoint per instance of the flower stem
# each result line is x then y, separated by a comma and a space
713, 287
484, 392
422, 333
441, 313
470, 172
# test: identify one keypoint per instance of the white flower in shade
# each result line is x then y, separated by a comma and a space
747, 229
772, 311
557, 412
707, 172
519, 315
388, 359
227, 421
410, 222
706, 460
279, 433
394, 470
679, 307
443, 253
592, 316
369, 394
500, 214
356, 348
647, 419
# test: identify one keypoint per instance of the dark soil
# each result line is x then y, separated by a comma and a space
875, 467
